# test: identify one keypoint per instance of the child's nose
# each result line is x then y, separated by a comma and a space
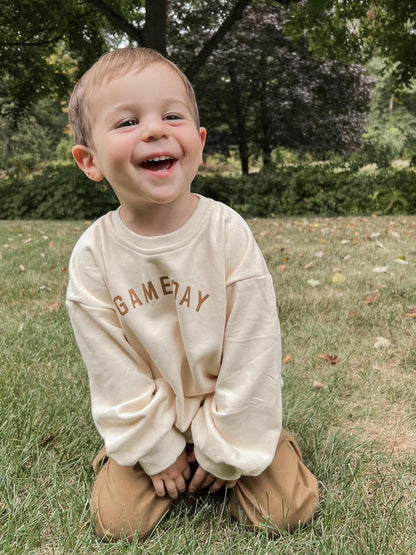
153, 129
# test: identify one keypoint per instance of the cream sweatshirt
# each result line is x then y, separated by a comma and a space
180, 337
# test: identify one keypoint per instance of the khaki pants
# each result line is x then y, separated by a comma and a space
284, 495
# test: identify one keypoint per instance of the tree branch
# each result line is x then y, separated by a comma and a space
235, 14
117, 20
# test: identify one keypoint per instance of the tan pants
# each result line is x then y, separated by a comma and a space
284, 495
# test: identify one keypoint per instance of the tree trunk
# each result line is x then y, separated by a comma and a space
243, 151
154, 32
241, 129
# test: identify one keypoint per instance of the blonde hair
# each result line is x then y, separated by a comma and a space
115, 64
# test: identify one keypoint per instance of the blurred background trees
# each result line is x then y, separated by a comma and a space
275, 80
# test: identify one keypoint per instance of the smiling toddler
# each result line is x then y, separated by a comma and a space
174, 312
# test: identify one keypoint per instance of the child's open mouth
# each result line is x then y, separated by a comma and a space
158, 163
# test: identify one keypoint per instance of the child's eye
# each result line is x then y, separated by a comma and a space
172, 117
127, 123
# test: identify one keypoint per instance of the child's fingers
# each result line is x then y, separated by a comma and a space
231, 483
171, 488
159, 487
187, 473
191, 457
216, 485
198, 479
180, 484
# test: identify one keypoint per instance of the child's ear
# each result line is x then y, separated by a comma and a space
85, 160
202, 136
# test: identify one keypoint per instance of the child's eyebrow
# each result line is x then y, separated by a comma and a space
132, 106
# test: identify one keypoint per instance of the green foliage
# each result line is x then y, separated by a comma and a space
314, 189
59, 193
357, 29
391, 131
26, 144
64, 192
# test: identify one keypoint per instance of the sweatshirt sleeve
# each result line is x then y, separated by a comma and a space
133, 412
237, 428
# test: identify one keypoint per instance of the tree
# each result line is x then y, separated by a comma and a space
261, 94
31, 31
356, 30
391, 131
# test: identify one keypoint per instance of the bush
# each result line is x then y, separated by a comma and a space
322, 189
325, 190
59, 193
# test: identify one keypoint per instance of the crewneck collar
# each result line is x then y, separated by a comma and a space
161, 243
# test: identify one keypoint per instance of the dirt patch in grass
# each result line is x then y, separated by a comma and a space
388, 417
392, 432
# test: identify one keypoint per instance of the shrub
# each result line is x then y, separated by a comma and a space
59, 193
322, 189
315, 189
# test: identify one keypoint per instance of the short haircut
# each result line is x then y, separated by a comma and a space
115, 64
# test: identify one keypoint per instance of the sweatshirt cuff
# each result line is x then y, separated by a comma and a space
164, 454
219, 470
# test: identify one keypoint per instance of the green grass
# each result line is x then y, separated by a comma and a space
357, 431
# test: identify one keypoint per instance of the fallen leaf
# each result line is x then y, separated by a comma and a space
372, 298
380, 269
287, 359
313, 282
308, 265
410, 315
332, 359
53, 306
338, 277
356, 240
381, 343
401, 261
63, 270
320, 254
44, 288
22, 268
319, 386
282, 268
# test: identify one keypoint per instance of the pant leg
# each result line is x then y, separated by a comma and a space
284, 495
123, 500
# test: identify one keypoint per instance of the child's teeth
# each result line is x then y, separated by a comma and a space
158, 159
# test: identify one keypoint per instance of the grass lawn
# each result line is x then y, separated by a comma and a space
346, 292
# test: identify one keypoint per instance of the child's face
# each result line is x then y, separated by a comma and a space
145, 141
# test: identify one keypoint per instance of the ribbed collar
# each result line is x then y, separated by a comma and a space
163, 243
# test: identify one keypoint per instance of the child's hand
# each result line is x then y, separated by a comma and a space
172, 480
202, 479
